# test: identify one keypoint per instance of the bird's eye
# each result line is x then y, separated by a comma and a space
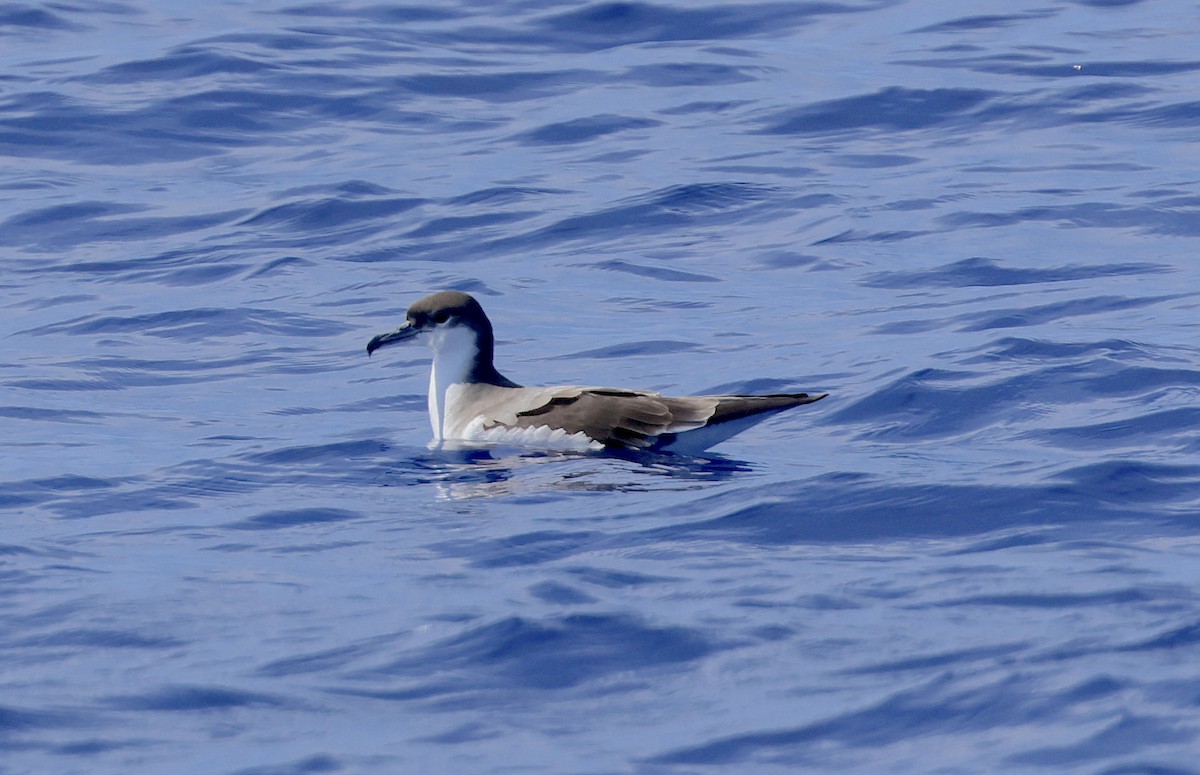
441, 317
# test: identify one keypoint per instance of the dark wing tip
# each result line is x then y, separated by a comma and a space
736, 407
796, 399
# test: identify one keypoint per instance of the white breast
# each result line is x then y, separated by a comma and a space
454, 354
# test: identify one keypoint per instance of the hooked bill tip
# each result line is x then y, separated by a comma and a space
406, 331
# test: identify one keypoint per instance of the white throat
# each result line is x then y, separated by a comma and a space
455, 352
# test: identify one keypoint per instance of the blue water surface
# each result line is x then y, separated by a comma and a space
227, 549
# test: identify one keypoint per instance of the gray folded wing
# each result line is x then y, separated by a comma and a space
640, 419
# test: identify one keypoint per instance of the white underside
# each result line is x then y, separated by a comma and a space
463, 411
486, 413
460, 410
542, 437
694, 442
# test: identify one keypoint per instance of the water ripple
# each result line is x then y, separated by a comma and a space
973, 227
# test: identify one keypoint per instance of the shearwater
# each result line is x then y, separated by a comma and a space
469, 400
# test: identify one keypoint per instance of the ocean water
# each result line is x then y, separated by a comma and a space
227, 548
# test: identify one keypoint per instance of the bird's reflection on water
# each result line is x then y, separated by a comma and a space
468, 471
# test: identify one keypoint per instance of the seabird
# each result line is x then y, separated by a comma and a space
470, 401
